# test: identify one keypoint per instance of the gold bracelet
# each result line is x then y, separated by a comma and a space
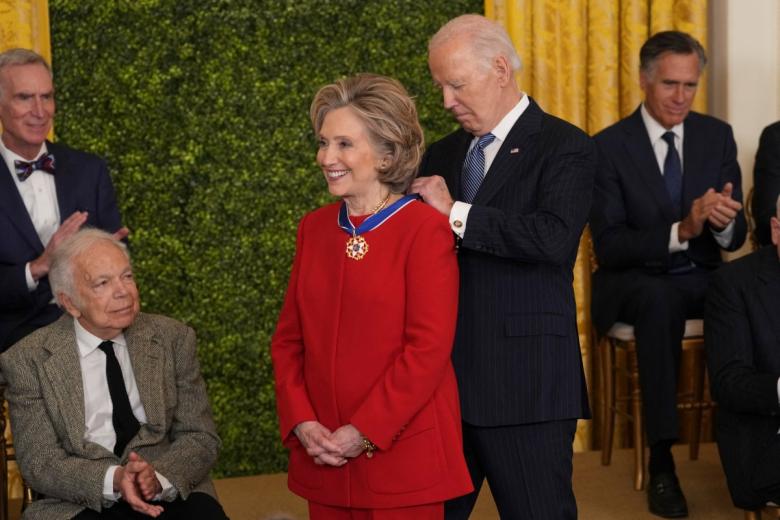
369, 447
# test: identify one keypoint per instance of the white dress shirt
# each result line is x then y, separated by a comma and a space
98, 409
460, 210
656, 131
40, 198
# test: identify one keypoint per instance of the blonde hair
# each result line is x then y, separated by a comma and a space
390, 118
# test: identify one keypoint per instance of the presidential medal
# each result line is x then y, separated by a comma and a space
357, 247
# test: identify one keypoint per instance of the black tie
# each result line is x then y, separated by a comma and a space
673, 173
125, 423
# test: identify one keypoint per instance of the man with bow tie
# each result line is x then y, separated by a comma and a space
47, 192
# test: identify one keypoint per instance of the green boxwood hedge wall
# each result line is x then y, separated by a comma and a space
201, 109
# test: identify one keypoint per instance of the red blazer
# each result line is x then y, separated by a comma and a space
368, 342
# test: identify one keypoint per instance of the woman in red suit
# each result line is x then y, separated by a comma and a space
365, 390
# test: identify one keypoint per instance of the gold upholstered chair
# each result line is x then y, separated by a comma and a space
621, 336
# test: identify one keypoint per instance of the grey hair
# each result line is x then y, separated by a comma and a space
19, 56
61, 276
487, 39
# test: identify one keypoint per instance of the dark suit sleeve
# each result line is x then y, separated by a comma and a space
736, 383
618, 244
548, 230
730, 172
766, 181
108, 212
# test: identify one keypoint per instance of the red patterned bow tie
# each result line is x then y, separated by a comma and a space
24, 169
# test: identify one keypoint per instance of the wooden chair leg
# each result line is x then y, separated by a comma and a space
607, 356
3, 460
637, 423
698, 396
752, 515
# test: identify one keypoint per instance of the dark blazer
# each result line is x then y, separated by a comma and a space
632, 213
46, 400
766, 181
82, 183
516, 352
742, 335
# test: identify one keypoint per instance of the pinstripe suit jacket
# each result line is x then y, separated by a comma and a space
742, 336
46, 400
516, 352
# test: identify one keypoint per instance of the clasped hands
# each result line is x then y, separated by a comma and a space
326, 447
138, 484
717, 209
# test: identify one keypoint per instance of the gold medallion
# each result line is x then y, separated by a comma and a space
357, 247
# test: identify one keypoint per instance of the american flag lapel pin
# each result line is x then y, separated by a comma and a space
514, 150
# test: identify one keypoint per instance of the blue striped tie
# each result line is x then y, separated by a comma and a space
474, 168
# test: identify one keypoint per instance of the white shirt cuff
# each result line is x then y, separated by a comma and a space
675, 246
109, 495
459, 214
168, 492
32, 284
723, 238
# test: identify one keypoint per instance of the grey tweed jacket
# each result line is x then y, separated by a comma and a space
46, 399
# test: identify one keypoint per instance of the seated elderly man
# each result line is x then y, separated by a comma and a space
742, 336
108, 409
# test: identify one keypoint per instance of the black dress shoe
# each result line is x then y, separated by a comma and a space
665, 498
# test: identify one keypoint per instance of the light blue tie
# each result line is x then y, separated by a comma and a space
474, 168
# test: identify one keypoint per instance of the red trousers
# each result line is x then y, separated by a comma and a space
433, 511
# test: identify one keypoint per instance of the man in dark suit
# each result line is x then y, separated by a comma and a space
516, 352
766, 181
47, 192
743, 357
108, 408
661, 216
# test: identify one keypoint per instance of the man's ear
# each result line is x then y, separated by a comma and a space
774, 224
67, 304
502, 70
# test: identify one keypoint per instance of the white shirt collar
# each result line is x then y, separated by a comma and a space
505, 125
88, 342
655, 129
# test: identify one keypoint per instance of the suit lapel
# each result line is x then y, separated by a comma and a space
143, 345
458, 157
769, 290
694, 148
511, 154
66, 195
12, 205
640, 153
64, 371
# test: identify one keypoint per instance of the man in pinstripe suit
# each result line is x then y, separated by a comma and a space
518, 225
108, 409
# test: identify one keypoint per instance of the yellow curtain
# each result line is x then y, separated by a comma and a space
581, 63
23, 23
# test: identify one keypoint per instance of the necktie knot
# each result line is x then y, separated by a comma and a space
485, 140
669, 138
25, 168
107, 347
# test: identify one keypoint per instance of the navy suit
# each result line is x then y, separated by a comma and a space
83, 184
631, 221
742, 335
516, 352
766, 181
